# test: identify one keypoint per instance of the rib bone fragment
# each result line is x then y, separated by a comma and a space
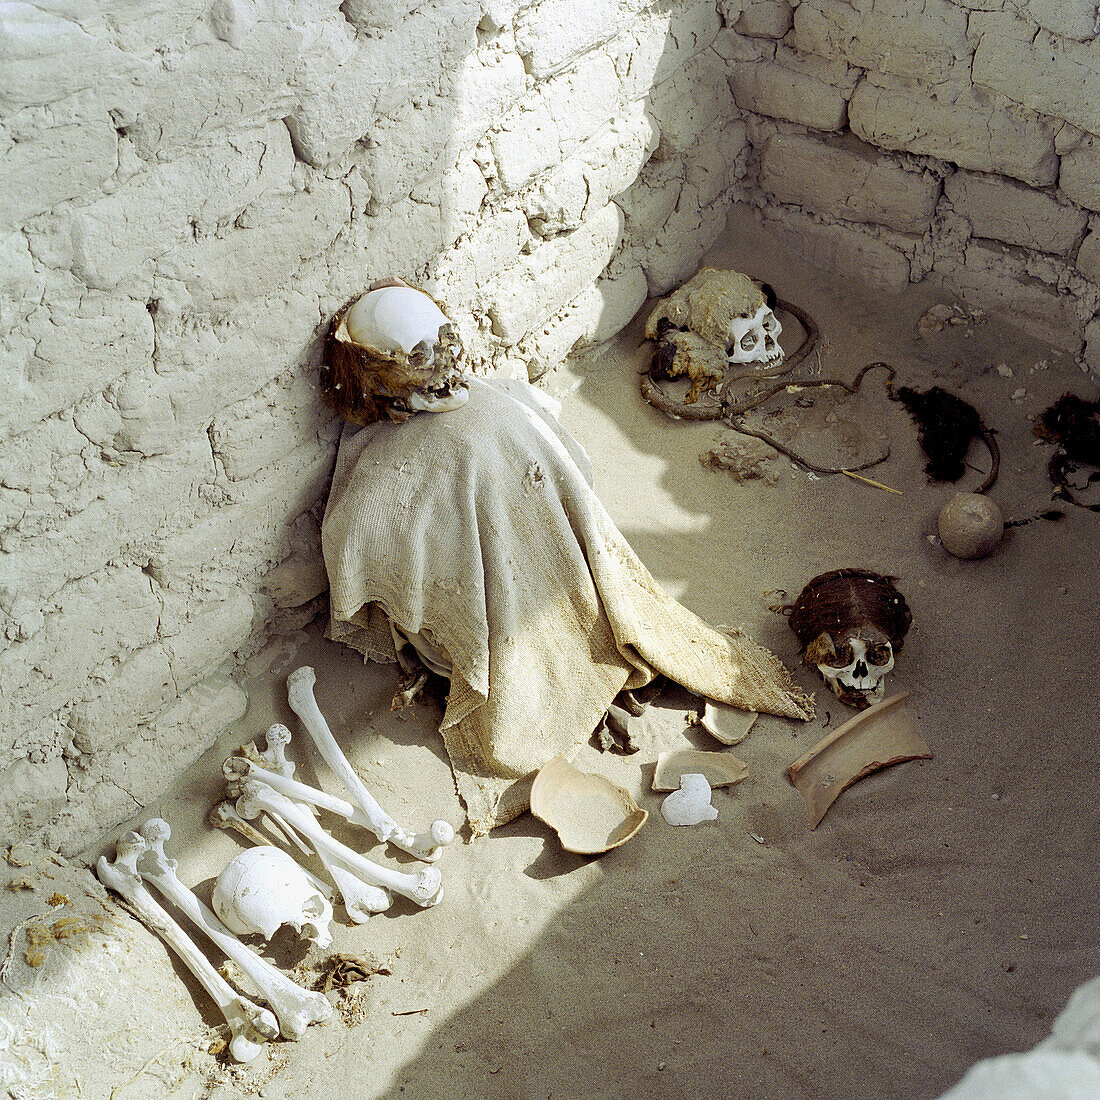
426, 845
250, 1025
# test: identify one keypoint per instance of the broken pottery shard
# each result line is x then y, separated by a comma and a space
730, 725
876, 738
589, 813
720, 769
690, 805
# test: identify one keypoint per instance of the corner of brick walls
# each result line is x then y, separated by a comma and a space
898, 142
189, 196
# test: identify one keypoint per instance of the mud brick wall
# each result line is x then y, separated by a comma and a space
950, 140
189, 189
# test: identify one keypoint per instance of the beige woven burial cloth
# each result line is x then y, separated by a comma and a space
481, 526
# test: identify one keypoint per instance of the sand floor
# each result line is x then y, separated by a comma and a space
941, 913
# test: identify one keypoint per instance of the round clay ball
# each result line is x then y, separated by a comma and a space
970, 525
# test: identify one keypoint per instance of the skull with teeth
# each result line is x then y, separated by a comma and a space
393, 352
851, 623
716, 319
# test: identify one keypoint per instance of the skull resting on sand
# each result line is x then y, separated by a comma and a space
390, 353
851, 623
715, 319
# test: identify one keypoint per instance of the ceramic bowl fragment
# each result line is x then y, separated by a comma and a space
720, 769
589, 813
884, 734
690, 805
727, 724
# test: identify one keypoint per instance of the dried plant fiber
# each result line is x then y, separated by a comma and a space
481, 525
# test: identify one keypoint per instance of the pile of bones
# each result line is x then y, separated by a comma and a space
264, 888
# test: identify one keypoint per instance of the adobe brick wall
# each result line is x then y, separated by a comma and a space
191, 189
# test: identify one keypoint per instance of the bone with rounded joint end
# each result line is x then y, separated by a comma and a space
295, 1007
424, 887
361, 899
237, 768
250, 1025
224, 816
426, 845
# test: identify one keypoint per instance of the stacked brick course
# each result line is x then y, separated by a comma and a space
190, 189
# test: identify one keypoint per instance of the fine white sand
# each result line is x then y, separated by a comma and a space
942, 912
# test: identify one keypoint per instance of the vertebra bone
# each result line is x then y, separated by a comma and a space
295, 1007
425, 887
425, 846
249, 1024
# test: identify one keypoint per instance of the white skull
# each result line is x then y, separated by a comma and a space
262, 889
862, 680
755, 339
406, 323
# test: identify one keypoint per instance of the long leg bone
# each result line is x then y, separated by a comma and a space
249, 1024
237, 768
361, 899
302, 702
424, 887
295, 1007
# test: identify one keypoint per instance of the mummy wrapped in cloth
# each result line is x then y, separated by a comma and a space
462, 520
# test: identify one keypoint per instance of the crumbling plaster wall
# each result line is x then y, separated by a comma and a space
190, 189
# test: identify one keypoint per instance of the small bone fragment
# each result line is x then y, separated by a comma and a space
405, 697
249, 1024
304, 704
237, 768
425, 887
882, 735
295, 1007
720, 769
690, 805
224, 816
730, 725
613, 732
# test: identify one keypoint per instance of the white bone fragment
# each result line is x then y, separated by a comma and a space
690, 805
404, 698
296, 1008
237, 768
261, 889
250, 1025
424, 887
224, 816
425, 846
361, 899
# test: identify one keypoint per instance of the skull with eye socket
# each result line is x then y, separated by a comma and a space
716, 319
851, 623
